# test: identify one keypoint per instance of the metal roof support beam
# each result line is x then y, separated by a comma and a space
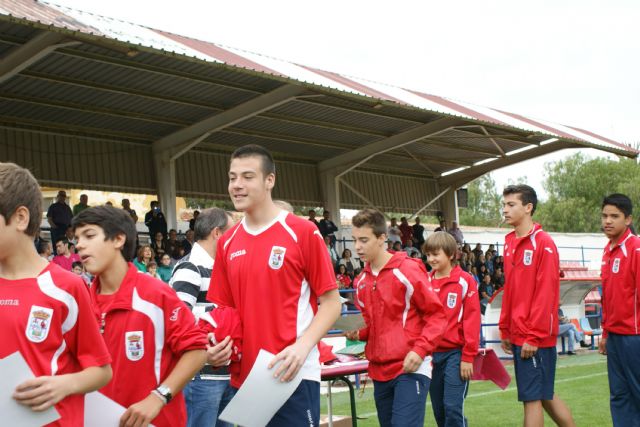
165, 169
432, 201
181, 141
363, 154
361, 196
31, 52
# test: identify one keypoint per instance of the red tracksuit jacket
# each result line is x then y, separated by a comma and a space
223, 322
531, 289
621, 285
402, 313
459, 296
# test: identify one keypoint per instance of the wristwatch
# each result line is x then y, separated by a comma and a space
164, 392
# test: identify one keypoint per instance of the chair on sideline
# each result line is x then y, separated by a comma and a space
593, 333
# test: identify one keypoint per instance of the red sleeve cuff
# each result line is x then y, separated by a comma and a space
468, 358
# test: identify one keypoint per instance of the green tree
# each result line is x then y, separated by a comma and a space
483, 203
576, 187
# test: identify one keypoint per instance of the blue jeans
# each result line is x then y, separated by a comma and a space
401, 401
206, 399
569, 331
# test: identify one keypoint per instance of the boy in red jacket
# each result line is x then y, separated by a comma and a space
405, 321
620, 285
529, 316
453, 358
154, 341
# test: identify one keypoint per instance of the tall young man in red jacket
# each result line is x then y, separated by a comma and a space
453, 358
153, 339
404, 323
620, 306
529, 316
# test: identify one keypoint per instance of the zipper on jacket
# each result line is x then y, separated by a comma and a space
374, 284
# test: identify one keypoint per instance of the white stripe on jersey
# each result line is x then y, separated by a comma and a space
283, 222
465, 289
407, 296
156, 315
47, 287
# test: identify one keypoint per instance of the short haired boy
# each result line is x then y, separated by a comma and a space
154, 341
453, 358
404, 319
45, 312
620, 285
529, 316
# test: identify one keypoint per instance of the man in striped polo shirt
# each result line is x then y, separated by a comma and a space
209, 391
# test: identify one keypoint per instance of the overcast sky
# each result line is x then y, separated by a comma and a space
575, 62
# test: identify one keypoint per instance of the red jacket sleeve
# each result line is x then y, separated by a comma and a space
360, 301
504, 324
427, 302
219, 291
544, 307
181, 332
471, 321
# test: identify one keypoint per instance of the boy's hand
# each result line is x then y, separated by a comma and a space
43, 392
219, 354
412, 362
602, 346
351, 335
466, 370
142, 413
528, 351
506, 346
292, 358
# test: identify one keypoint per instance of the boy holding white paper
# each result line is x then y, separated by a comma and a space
153, 338
45, 311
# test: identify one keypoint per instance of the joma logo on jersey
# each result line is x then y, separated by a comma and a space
276, 259
39, 323
616, 265
237, 254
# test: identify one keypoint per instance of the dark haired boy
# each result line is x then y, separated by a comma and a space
453, 358
154, 342
273, 267
404, 323
529, 316
45, 312
620, 285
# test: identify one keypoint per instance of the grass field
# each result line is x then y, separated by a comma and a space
581, 381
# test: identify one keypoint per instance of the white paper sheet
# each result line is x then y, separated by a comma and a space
350, 322
260, 396
14, 370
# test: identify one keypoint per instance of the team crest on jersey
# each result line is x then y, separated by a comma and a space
39, 323
134, 345
528, 257
616, 265
452, 298
276, 259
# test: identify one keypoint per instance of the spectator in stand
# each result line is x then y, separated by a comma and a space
456, 233
568, 330
343, 278
466, 248
71, 238
312, 218
84, 200
44, 249
65, 258
498, 279
165, 268
488, 263
59, 216
173, 245
480, 262
441, 227
394, 233
328, 227
498, 263
349, 263
463, 262
192, 221
332, 251
155, 221
477, 251
406, 231
411, 250
485, 290
143, 257
159, 245
78, 269
188, 241
126, 205
418, 234
152, 270
397, 247
474, 273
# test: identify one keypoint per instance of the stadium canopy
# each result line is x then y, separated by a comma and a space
96, 103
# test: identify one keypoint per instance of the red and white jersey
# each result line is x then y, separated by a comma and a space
459, 296
620, 286
49, 320
531, 289
273, 277
402, 314
66, 262
147, 329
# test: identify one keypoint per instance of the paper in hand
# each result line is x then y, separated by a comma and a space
350, 322
14, 370
260, 396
